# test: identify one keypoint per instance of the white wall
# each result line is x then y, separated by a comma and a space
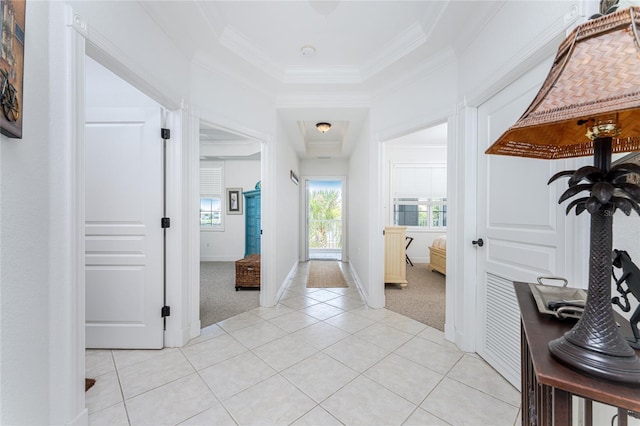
125, 31
324, 167
426, 101
42, 333
26, 285
287, 219
360, 218
229, 245
218, 99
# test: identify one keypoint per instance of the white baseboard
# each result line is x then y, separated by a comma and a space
287, 281
220, 258
81, 420
356, 278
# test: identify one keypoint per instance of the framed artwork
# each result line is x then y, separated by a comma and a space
12, 32
234, 200
293, 176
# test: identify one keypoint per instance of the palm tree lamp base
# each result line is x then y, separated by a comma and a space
594, 345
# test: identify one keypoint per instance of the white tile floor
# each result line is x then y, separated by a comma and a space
321, 357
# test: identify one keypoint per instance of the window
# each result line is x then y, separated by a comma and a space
419, 195
423, 212
211, 196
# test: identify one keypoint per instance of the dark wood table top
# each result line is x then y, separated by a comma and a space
540, 329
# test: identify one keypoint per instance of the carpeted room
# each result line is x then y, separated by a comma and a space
423, 299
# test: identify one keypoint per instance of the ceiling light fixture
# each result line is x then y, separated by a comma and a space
323, 127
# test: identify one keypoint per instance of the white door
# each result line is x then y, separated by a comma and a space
520, 223
124, 238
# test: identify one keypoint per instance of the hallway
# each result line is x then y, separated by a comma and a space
320, 357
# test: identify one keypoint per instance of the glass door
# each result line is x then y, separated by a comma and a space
324, 219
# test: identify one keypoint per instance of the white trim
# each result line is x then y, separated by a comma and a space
175, 334
358, 282
376, 298
304, 233
268, 291
539, 49
105, 52
81, 420
91, 43
66, 204
191, 207
461, 268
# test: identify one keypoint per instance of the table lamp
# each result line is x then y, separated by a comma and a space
589, 105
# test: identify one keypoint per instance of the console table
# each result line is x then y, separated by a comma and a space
547, 385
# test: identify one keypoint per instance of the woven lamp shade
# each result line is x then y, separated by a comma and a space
596, 72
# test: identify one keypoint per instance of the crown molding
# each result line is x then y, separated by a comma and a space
539, 49
239, 44
405, 43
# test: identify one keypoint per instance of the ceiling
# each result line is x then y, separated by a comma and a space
311, 55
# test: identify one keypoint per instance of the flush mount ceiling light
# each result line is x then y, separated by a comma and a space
323, 127
308, 50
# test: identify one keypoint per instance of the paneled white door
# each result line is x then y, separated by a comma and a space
520, 223
124, 239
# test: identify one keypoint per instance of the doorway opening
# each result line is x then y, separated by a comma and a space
124, 196
230, 221
416, 203
325, 225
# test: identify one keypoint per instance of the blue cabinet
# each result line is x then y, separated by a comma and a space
252, 222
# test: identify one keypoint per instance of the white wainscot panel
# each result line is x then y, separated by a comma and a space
528, 257
523, 194
115, 245
107, 285
114, 160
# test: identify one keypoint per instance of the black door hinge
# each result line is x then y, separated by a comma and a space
166, 311
165, 133
165, 222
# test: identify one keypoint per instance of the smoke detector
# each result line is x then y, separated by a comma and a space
308, 50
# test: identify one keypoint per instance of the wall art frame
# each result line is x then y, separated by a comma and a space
234, 200
12, 38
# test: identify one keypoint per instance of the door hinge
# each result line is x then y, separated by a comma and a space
165, 222
166, 311
165, 133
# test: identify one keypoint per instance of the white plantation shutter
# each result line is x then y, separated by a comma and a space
211, 180
419, 181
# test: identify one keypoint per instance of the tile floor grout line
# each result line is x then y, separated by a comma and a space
124, 402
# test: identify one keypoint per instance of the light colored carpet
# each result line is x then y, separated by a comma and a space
325, 274
423, 299
219, 299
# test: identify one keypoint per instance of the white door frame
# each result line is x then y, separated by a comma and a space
87, 43
305, 199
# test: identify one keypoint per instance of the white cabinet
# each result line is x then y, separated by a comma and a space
395, 267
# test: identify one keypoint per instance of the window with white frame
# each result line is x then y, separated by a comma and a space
211, 196
419, 195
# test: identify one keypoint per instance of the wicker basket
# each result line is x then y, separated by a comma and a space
248, 272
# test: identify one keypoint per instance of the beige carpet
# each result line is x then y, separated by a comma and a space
423, 299
219, 299
325, 274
